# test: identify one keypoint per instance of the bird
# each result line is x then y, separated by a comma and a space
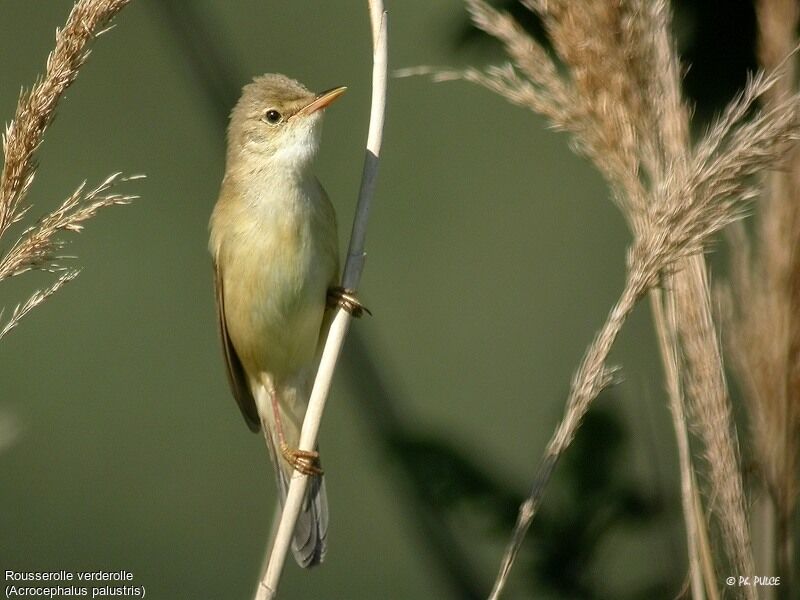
274, 247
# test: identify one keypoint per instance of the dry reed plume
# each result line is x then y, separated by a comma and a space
613, 81
762, 313
36, 247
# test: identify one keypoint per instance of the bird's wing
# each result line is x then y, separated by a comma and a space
236, 375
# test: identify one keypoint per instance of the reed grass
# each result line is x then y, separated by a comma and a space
762, 313
611, 78
37, 246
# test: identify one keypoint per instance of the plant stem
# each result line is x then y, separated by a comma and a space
710, 409
668, 346
591, 378
268, 585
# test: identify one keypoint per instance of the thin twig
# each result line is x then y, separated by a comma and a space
352, 274
592, 377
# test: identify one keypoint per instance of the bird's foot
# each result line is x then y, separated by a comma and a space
346, 298
302, 461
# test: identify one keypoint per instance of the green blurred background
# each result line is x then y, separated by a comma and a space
494, 255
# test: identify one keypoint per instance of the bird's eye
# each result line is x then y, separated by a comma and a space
273, 117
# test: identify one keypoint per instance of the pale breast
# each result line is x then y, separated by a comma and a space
279, 258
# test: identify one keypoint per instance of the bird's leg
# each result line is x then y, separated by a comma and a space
346, 299
303, 461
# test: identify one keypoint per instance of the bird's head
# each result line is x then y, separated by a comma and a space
277, 121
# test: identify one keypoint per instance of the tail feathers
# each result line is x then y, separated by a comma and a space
310, 542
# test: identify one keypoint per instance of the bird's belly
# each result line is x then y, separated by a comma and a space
275, 299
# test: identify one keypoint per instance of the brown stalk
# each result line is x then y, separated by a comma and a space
702, 577
710, 409
762, 302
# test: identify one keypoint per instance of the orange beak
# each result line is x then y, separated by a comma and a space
321, 101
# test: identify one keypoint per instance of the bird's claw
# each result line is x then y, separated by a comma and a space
346, 298
302, 461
